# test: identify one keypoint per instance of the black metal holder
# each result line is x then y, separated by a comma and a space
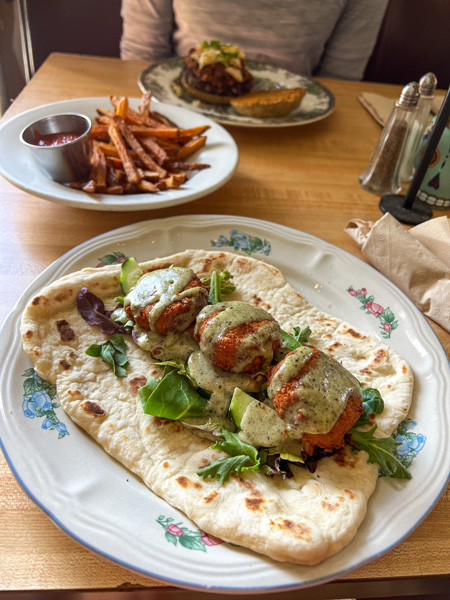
405, 208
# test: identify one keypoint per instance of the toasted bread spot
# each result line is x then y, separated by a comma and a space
350, 494
36, 352
207, 262
136, 383
62, 297
272, 270
166, 465
254, 504
298, 530
75, 394
379, 358
66, 333
249, 486
331, 506
404, 369
210, 497
37, 300
355, 334
185, 482
257, 301
333, 347
365, 371
65, 365
94, 409
342, 459
29, 334
326, 320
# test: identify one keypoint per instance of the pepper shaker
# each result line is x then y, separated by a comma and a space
381, 176
427, 87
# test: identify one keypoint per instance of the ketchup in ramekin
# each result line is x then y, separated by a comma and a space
53, 139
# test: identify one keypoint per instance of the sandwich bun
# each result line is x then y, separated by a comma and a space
268, 103
205, 96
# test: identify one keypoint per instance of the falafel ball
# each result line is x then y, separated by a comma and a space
317, 397
166, 300
237, 337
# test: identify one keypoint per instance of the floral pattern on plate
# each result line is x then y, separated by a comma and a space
240, 240
192, 539
386, 316
39, 401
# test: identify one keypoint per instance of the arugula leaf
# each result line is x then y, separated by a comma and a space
222, 469
243, 457
381, 451
172, 397
233, 445
219, 284
113, 352
291, 341
372, 404
302, 335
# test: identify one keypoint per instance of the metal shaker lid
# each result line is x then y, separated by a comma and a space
410, 95
427, 84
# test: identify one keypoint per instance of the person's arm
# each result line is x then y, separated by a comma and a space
348, 50
147, 30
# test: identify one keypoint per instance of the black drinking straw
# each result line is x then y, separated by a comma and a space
403, 207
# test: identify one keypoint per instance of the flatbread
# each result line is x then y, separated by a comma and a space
304, 519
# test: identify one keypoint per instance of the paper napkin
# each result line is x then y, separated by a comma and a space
416, 260
380, 107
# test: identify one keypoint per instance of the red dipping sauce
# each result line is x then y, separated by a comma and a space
53, 139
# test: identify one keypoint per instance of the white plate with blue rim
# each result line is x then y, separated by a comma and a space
20, 169
163, 79
73, 480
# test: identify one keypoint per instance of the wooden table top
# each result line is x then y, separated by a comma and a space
303, 177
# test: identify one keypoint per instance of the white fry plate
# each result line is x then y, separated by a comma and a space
19, 167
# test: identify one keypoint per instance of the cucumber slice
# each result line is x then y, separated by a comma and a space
239, 404
129, 274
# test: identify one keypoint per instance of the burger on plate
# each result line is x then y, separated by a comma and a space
216, 73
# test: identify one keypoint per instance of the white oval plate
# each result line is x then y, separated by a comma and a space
163, 80
19, 167
74, 481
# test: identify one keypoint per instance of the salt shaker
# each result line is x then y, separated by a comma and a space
381, 176
427, 86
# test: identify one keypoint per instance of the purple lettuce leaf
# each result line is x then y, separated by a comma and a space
92, 309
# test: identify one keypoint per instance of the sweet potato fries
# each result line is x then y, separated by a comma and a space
139, 151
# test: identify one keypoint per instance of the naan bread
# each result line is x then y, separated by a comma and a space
304, 519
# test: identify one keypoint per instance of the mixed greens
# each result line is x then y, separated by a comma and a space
177, 396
